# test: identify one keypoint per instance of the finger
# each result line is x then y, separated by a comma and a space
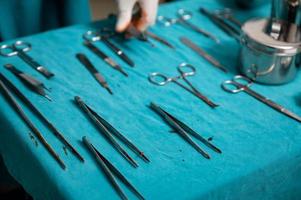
149, 13
125, 8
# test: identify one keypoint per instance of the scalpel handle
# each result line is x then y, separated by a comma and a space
118, 51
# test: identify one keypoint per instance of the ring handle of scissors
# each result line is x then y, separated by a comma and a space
183, 72
166, 21
22, 46
12, 50
240, 83
91, 36
154, 78
7, 50
184, 14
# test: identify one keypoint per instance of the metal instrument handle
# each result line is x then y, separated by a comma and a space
184, 14
153, 78
183, 66
12, 50
91, 36
240, 83
166, 21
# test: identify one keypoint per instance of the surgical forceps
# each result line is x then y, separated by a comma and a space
230, 29
183, 17
93, 36
184, 131
19, 48
161, 80
111, 133
242, 84
8, 89
111, 171
227, 13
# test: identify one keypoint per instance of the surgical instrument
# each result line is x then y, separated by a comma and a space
184, 131
142, 36
228, 14
229, 29
243, 84
90, 67
104, 57
159, 39
29, 81
111, 171
47, 123
109, 132
203, 54
93, 36
4, 86
183, 17
19, 48
161, 80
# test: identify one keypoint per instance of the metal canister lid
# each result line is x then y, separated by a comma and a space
254, 36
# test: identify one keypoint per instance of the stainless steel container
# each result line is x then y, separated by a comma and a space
265, 59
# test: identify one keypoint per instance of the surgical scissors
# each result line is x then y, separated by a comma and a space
18, 49
182, 18
242, 84
161, 80
94, 36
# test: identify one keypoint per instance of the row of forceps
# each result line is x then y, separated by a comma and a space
182, 18
20, 49
185, 70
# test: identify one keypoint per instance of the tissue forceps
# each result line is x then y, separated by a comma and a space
183, 17
185, 131
154, 78
109, 132
242, 84
7, 89
93, 36
19, 48
111, 171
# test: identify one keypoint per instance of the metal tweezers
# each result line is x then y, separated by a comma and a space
110, 171
6, 86
228, 28
184, 131
109, 132
29, 81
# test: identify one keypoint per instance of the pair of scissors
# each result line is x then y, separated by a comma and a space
94, 36
184, 70
18, 49
242, 84
182, 18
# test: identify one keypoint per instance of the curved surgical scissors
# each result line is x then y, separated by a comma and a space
185, 70
242, 84
18, 49
182, 18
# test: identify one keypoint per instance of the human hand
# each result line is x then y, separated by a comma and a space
147, 18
